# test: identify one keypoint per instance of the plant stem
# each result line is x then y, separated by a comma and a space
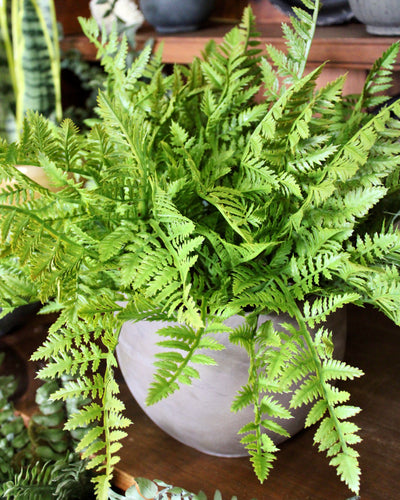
316, 362
310, 39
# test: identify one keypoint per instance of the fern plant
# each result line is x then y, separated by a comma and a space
191, 200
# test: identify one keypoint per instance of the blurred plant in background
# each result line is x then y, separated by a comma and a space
123, 13
29, 63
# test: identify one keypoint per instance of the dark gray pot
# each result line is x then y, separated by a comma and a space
331, 11
17, 317
172, 16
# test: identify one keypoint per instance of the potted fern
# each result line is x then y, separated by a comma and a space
196, 203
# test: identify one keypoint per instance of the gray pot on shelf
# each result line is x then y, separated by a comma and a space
331, 11
381, 17
199, 415
172, 16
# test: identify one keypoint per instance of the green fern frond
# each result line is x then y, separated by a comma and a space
110, 50
242, 399
176, 366
309, 273
83, 387
334, 369
348, 469
262, 462
298, 40
379, 79
111, 245
379, 247
322, 307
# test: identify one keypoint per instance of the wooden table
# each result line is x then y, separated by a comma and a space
300, 473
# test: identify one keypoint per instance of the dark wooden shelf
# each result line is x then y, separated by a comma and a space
346, 46
300, 472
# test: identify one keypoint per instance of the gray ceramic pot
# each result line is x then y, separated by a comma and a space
331, 11
170, 16
199, 415
17, 318
381, 17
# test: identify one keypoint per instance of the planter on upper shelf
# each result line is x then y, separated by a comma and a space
331, 11
199, 415
172, 16
381, 17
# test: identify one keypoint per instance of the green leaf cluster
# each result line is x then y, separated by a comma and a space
159, 490
233, 185
37, 459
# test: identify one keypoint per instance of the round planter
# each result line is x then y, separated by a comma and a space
381, 17
172, 16
199, 415
331, 11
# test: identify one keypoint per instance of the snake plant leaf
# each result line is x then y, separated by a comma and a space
39, 92
7, 98
29, 62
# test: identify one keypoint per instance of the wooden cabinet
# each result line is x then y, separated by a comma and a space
346, 48
68, 12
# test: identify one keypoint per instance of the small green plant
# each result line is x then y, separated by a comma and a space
158, 490
196, 202
37, 461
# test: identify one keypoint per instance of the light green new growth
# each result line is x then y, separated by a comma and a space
192, 201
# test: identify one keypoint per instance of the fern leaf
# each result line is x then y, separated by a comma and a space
242, 399
379, 78
113, 242
348, 469
89, 438
84, 417
262, 464
334, 369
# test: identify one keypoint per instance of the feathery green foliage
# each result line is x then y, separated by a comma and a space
191, 201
